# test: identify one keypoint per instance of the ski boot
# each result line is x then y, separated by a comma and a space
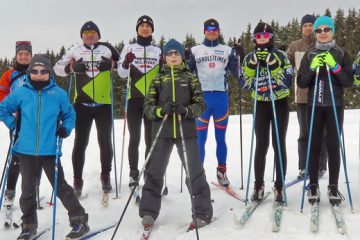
221, 175
78, 186
335, 197
258, 193
105, 182
313, 193
79, 226
279, 195
28, 232
301, 174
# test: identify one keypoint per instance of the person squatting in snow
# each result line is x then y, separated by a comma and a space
91, 63
265, 57
140, 62
325, 54
46, 114
175, 91
211, 61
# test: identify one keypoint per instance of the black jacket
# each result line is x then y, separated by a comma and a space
343, 78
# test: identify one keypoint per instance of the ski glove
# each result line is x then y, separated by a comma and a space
330, 60
62, 132
181, 109
105, 65
168, 109
253, 61
318, 61
129, 58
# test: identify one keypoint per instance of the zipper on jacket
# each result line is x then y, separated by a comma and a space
173, 99
38, 123
145, 68
92, 70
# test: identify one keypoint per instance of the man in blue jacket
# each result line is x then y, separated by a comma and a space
211, 61
46, 113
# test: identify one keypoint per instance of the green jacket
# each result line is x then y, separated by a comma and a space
179, 85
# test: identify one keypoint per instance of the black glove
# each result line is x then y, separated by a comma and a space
105, 65
62, 132
168, 109
76, 67
129, 58
253, 61
180, 109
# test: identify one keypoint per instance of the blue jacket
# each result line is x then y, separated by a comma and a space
40, 112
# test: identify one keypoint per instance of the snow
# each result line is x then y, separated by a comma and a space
175, 212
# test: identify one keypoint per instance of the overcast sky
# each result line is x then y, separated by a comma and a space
50, 24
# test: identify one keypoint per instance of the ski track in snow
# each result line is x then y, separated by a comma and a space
175, 212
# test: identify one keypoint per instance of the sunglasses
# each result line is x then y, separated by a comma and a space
320, 30
41, 72
23, 43
170, 53
212, 28
89, 32
265, 35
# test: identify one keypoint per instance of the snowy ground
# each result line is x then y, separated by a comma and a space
176, 214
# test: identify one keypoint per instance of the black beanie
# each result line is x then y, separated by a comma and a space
263, 27
211, 22
23, 45
145, 19
41, 60
90, 25
308, 19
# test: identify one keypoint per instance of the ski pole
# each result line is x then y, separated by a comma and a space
124, 128
8, 161
141, 173
241, 132
58, 149
187, 173
181, 177
113, 132
277, 134
309, 138
252, 134
274, 166
339, 136
7, 156
70, 85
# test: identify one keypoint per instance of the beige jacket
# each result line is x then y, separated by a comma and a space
295, 53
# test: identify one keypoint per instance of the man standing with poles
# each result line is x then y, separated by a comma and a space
140, 63
91, 62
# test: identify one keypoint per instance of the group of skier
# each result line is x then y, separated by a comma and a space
174, 92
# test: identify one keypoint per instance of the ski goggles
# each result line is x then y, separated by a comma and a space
89, 32
23, 43
325, 30
212, 28
265, 35
41, 72
170, 53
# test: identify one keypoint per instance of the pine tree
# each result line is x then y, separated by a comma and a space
162, 42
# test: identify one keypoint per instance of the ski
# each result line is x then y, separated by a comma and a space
105, 199
229, 191
42, 232
293, 182
314, 221
249, 210
277, 213
96, 232
8, 217
146, 233
339, 219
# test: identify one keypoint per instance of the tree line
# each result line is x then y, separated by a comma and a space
347, 35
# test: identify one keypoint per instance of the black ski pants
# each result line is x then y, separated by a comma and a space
265, 117
324, 119
84, 119
134, 118
29, 166
151, 193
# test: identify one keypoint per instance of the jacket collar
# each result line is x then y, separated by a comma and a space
211, 43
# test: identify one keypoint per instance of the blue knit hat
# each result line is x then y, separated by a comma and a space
324, 20
172, 44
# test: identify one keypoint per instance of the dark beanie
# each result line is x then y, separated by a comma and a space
308, 19
90, 25
263, 27
41, 60
145, 19
23, 45
172, 44
211, 22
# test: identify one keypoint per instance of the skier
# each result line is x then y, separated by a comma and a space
140, 61
42, 104
174, 91
91, 62
211, 61
356, 67
325, 52
12, 79
295, 53
266, 56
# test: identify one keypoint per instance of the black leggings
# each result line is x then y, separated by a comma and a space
324, 118
264, 116
134, 117
103, 120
